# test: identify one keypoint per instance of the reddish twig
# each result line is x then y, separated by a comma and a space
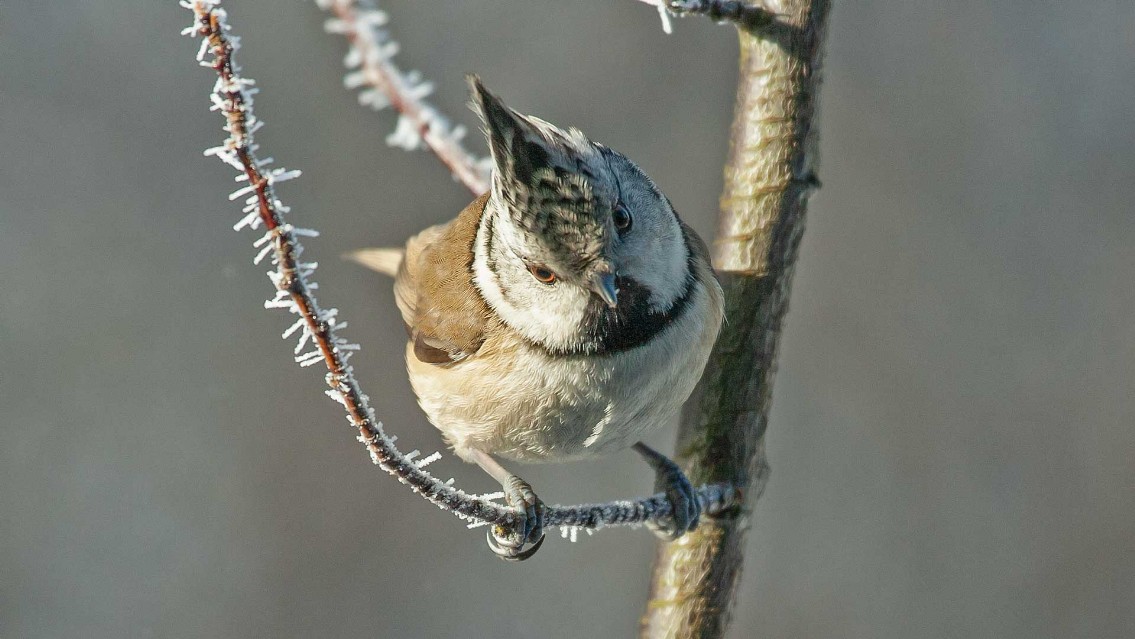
317, 327
420, 123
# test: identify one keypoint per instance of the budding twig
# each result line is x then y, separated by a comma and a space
317, 328
420, 124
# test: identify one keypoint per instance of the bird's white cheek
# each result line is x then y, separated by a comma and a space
558, 315
550, 315
546, 314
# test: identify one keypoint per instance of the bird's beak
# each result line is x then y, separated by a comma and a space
603, 285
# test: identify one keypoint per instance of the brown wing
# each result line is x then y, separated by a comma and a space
434, 289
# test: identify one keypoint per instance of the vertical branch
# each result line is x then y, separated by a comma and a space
768, 176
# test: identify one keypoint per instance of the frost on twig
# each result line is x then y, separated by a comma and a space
371, 68
316, 329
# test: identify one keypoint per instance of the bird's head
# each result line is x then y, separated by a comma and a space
581, 240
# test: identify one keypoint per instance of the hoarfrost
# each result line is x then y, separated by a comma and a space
264, 252
406, 135
429, 459
300, 323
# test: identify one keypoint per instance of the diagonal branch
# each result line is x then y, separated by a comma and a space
420, 124
318, 328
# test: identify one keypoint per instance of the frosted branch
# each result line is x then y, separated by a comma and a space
317, 328
371, 67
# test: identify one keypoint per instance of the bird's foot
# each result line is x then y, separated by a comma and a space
685, 507
512, 546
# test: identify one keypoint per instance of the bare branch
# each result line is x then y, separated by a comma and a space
747, 15
770, 172
370, 58
317, 328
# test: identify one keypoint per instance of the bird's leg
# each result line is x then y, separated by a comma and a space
686, 510
518, 494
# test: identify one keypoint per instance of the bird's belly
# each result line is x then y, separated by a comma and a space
520, 403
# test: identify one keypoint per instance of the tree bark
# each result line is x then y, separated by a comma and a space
769, 174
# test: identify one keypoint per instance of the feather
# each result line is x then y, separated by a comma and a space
380, 260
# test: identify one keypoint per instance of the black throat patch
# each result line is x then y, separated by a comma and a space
632, 323
606, 330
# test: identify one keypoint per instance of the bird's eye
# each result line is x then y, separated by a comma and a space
622, 218
543, 274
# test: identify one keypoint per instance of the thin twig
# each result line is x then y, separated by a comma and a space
318, 327
370, 57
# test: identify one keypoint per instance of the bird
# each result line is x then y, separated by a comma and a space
562, 315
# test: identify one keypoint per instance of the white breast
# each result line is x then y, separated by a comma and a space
517, 401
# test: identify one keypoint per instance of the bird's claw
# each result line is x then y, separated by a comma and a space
685, 510
501, 548
511, 546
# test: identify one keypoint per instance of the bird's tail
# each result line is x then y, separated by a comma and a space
382, 260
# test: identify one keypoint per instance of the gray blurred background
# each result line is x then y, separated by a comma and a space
952, 440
